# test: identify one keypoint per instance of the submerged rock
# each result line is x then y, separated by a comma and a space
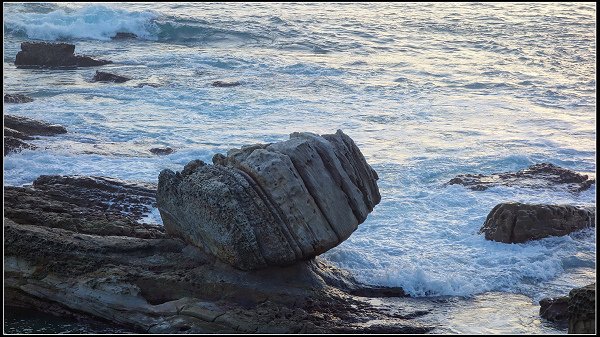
516, 222
555, 309
543, 175
71, 244
161, 151
582, 310
271, 204
102, 76
223, 84
17, 98
124, 36
52, 55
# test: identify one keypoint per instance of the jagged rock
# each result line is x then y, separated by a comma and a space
271, 204
223, 84
555, 309
63, 252
12, 144
160, 151
515, 222
31, 127
582, 310
17, 98
543, 175
124, 36
53, 55
102, 76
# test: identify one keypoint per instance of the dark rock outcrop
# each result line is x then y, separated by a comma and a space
271, 204
124, 36
17, 129
224, 84
582, 310
17, 98
31, 127
161, 151
71, 245
516, 222
102, 76
555, 309
53, 55
543, 175
12, 144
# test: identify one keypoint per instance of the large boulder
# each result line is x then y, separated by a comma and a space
544, 175
271, 204
515, 222
52, 55
582, 310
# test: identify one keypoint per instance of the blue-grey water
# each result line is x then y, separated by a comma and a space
427, 91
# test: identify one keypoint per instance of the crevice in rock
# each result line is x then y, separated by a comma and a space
276, 212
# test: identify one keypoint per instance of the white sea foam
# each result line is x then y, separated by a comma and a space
99, 22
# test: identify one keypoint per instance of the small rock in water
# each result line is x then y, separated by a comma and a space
515, 222
223, 84
162, 150
53, 55
124, 36
17, 98
542, 175
102, 76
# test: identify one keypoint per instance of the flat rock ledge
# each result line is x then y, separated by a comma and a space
515, 222
271, 204
79, 245
18, 129
544, 175
53, 55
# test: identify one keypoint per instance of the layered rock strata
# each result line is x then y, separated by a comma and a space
271, 204
79, 245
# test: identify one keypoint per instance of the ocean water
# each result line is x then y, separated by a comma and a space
427, 91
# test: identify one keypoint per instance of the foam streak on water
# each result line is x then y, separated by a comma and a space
427, 92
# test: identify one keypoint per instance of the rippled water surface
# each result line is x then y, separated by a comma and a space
426, 91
